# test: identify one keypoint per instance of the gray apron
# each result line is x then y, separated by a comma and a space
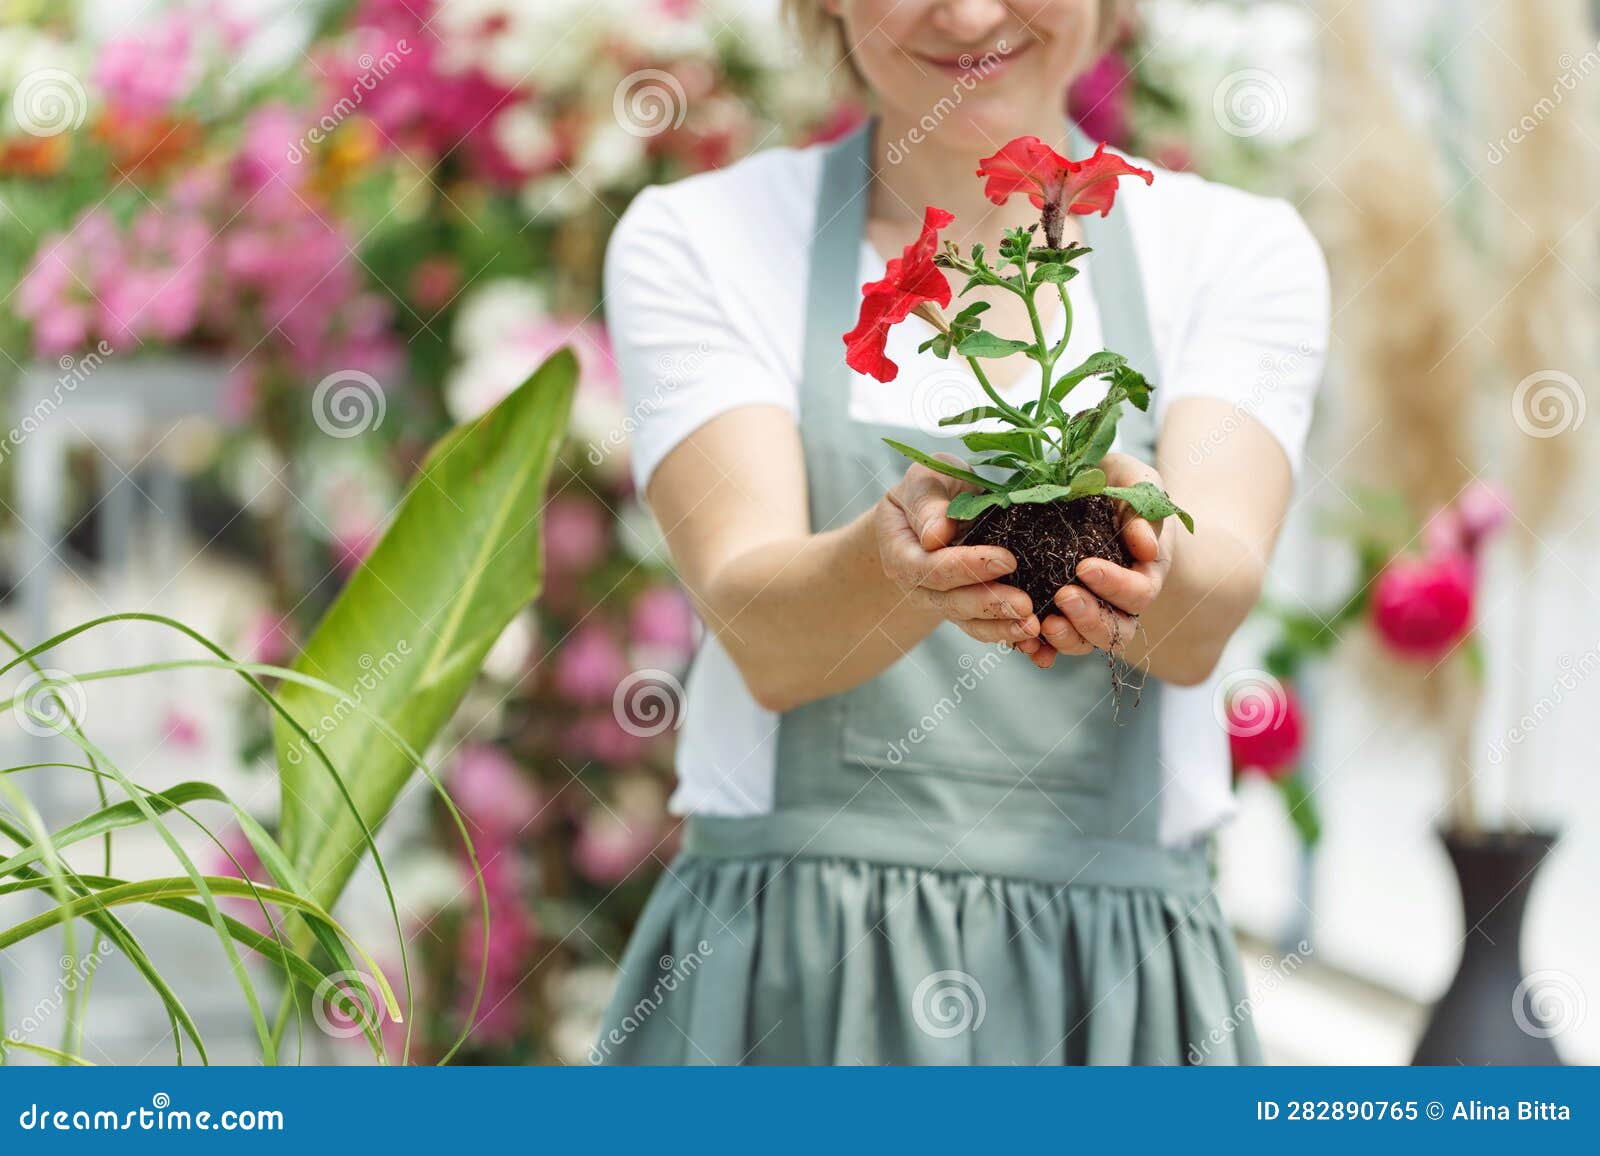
962, 863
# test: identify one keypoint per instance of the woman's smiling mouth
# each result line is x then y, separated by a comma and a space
978, 65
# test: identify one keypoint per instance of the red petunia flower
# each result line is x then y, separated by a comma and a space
1055, 184
908, 281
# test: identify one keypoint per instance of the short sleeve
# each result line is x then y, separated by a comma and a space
1257, 333
682, 356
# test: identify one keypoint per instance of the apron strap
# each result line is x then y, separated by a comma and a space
1118, 288
838, 231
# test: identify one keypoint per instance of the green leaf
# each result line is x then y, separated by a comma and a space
1132, 384
1054, 274
1090, 481
1087, 483
409, 632
1012, 441
985, 344
939, 343
1094, 365
1058, 256
937, 465
1098, 435
965, 507
1149, 502
1048, 492
967, 417
1301, 807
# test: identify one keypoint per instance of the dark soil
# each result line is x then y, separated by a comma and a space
1049, 539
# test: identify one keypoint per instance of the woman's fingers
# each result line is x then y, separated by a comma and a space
1098, 624
925, 496
1000, 629
1141, 539
1128, 590
982, 600
1063, 636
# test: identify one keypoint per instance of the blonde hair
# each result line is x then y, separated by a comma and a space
821, 33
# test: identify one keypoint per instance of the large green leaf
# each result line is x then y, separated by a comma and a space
411, 629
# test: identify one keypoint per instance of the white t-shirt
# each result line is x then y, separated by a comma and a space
705, 302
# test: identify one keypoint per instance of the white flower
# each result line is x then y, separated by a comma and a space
508, 657
552, 198
495, 309
525, 137
611, 157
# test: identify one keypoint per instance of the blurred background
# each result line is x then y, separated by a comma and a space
257, 255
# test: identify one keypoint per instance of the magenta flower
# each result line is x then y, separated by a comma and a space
577, 534
589, 665
494, 794
1422, 607
662, 620
147, 72
1266, 729
609, 848
1098, 99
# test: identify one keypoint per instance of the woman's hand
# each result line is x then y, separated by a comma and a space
1087, 623
958, 583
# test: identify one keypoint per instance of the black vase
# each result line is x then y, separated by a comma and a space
1491, 1014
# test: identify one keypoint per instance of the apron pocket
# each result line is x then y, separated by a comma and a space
990, 715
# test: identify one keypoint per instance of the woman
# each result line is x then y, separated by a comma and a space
905, 844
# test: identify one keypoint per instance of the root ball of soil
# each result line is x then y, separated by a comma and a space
1049, 539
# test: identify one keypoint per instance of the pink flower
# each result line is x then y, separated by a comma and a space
182, 730
1421, 607
146, 73
609, 847
1098, 99
494, 794
662, 619
590, 665
1265, 728
269, 641
513, 936
249, 866
577, 533
599, 736
433, 282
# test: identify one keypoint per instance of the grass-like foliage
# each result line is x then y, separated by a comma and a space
460, 558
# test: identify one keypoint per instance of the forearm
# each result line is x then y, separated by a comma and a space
1213, 584
811, 615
